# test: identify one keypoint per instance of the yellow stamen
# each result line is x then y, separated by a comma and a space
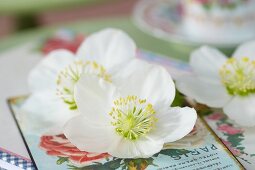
70, 75
238, 76
132, 117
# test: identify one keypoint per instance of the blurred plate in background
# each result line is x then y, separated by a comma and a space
164, 19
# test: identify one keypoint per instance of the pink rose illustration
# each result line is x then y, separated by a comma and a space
61, 43
215, 116
229, 129
59, 145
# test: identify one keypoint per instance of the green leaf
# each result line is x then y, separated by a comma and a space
61, 160
174, 152
205, 112
178, 100
235, 140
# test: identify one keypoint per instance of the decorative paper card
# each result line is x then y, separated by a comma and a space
238, 139
201, 149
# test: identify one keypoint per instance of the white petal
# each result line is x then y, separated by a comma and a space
206, 62
246, 50
45, 110
88, 136
211, 94
144, 147
94, 98
109, 47
174, 123
44, 75
241, 109
147, 81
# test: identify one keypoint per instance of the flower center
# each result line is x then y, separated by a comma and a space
238, 76
132, 117
70, 75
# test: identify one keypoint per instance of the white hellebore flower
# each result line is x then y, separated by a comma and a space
52, 81
222, 82
130, 117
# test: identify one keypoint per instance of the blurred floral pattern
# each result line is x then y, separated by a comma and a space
70, 42
230, 4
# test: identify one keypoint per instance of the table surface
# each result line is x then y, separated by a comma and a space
143, 40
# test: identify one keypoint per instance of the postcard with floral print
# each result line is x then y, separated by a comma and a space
200, 149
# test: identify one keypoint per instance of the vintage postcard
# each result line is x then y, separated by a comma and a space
201, 149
